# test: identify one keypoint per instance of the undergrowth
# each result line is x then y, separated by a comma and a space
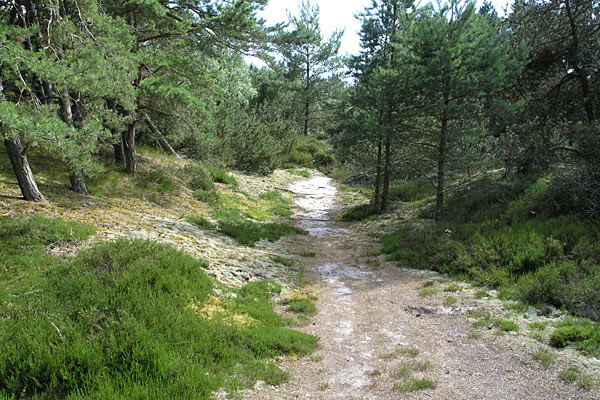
130, 319
500, 234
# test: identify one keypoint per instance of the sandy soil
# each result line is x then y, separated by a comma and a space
371, 315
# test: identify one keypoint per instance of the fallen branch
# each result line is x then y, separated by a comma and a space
159, 136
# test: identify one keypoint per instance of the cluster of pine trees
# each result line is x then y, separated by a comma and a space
78, 76
445, 89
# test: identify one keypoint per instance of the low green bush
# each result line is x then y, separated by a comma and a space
410, 191
248, 232
300, 305
158, 180
359, 213
198, 177
220, 175
280, 205
496, 235
199, 221
125, 320
207, 196
584, 334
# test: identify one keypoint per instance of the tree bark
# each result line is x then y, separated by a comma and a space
387, 169
439, 206
22, 170
66, 114
378, 174
159, 136
128, 140
307, 102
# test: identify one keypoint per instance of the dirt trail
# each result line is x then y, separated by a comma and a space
368, 312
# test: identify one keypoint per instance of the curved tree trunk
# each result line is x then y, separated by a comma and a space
159, 136
22, 170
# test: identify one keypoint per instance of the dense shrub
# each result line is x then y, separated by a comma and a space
359, 213
198, 177
309, 152
411, 191
499, 236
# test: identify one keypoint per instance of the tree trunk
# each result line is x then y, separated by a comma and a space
22, 170
128, 140
441, 166
307, 103
378, 174
66, 114
77, 182
119, 152
159, 136
387, 169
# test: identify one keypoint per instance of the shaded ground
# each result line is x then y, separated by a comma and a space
378, 334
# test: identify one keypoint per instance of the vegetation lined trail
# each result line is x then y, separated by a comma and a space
380, 338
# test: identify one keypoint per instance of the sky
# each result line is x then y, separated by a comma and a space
336, 14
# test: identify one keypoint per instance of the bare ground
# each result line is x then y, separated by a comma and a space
372, 317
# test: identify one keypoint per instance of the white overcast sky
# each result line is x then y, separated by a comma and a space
336, 14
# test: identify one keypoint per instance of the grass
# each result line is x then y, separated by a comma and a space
500, 234
220, 175
574, 375
209, 197
280, 205
402, 351
359, 213
506, 325
449, 301
300, 172
286, 262
583, 334
544, 357
307, 254
249, 232
199, 221
300, 305
428, 292
129, 319
453, 287
428, 283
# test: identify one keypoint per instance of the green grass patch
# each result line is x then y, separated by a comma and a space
414, 384
411, 191
497, 234
220, 175
583, 334
136, 319
574, 375
544, 357
300, 305
453, 287
300, 172
506, 325
281, 206
359, 213
248, 232
449, 301
23, 245
199, 221
209, 197
428, 292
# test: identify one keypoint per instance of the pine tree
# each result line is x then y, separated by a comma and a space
312, 63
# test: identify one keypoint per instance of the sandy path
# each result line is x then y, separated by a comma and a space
367, 312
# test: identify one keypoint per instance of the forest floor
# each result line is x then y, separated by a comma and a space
385, 333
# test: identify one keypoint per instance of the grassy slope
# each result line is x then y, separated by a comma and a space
128, 319
497, 234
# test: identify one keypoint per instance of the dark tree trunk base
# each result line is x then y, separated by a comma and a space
22, 170
128, 140
78, 183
